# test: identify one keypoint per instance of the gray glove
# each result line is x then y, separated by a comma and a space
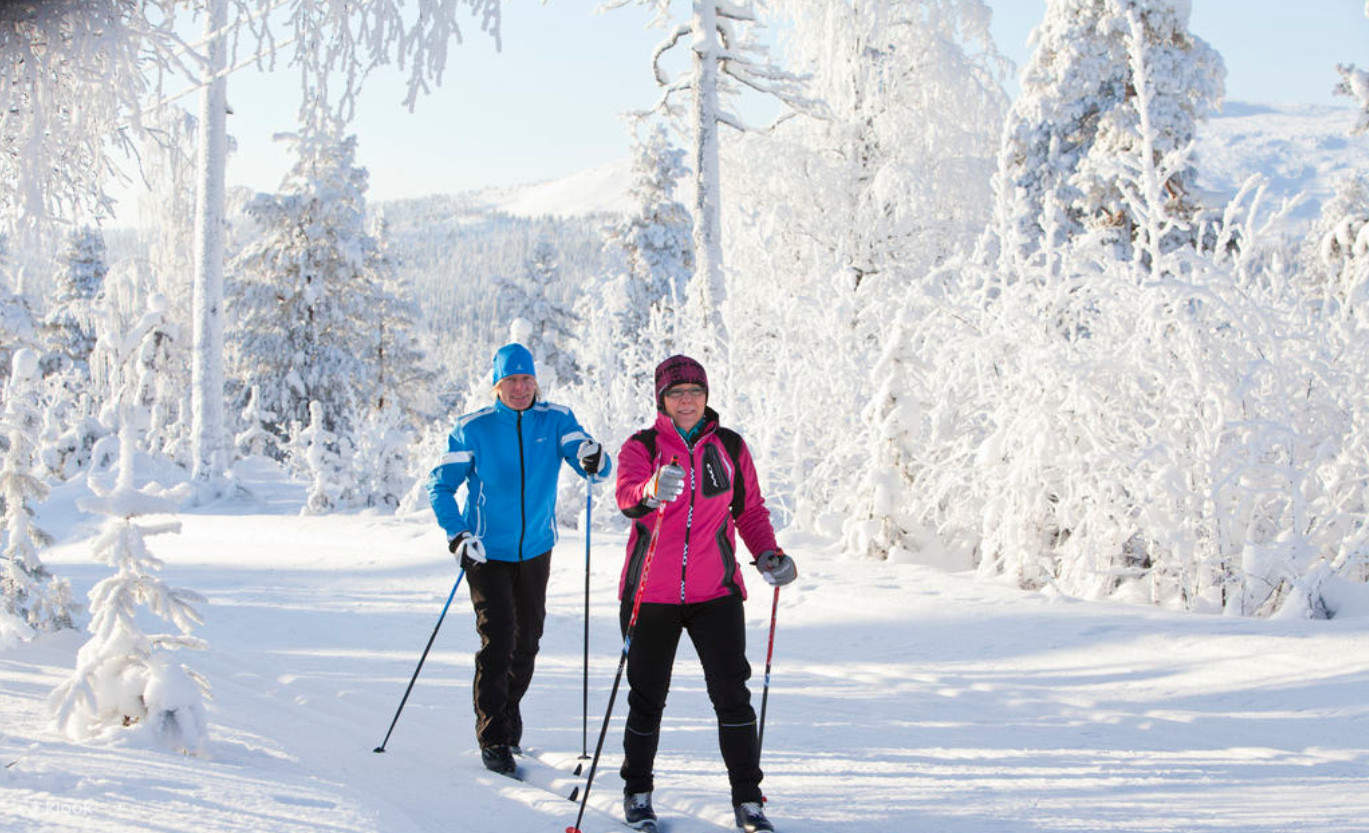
591, 456
776, 568
664, 486
467, 544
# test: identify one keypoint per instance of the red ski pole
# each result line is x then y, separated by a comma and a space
769, 652
622, 660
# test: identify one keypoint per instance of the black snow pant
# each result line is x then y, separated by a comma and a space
510, 599
718, 630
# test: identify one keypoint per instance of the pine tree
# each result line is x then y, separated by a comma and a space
404, 375
256, 439
325, 458
1076, 118
124, 676
531, 297
31, 598
306, 291
69, 326
651, 246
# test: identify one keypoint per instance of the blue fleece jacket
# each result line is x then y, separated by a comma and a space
510, 461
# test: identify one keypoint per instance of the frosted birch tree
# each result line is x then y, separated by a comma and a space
725, 59
833, 219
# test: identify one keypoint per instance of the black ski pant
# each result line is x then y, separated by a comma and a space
510, 599
718, 630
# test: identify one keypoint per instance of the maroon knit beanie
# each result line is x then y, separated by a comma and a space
678, 370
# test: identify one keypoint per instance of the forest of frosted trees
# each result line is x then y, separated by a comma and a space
1007, 334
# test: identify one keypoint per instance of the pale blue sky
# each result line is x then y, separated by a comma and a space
548, 103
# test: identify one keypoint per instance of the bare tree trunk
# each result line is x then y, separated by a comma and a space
207, 293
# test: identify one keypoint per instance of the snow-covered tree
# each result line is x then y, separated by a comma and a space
31, 598
1354, 82
1075, 124
404, 376
651, 247
72, 71
631, 311
381, 461
1338, 248
17, 328
727, 57
256, 438
124, 676
326, 459
69, 326
303, 302
531, 297
832, 218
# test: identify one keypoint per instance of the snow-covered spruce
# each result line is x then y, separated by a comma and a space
1075, 126
123, 676
256, 438
31, 598
324, 457
548, 326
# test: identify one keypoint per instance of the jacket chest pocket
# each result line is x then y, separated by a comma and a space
713, 473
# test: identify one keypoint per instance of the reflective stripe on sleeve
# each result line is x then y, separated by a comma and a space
573, 436
456, 457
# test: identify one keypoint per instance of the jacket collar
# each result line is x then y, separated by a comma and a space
665, 427
504, 410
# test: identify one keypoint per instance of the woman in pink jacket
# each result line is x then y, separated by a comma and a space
706, 495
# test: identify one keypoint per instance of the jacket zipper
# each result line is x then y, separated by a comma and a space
689, 523
522, 490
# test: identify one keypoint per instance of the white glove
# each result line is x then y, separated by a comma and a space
664, 486
591, 456
467, 544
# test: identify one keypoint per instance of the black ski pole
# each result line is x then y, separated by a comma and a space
584, 713
622, 662
769, 653
426, 648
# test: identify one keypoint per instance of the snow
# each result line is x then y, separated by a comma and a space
1299, 148
903, 698
598, 190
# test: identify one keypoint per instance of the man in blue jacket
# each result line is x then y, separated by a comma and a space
509, 457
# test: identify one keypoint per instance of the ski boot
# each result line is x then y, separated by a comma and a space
498, 759
638, 813
751, 818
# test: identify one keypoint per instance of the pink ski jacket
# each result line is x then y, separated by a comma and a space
695, 558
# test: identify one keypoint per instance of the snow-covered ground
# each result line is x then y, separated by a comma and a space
903, 699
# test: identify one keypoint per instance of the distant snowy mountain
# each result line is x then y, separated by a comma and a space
1299, 147
599, 190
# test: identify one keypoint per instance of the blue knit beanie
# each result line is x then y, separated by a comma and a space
512, 359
